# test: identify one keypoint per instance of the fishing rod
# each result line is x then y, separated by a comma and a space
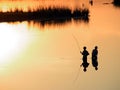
77, 75
76, 42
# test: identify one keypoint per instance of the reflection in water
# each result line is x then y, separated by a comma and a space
52, 22
58, 22
85, 64
94, 58
85, 53
12, 41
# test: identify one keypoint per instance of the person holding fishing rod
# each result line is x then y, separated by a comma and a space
85, 53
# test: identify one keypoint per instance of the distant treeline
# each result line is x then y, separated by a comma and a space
44, 14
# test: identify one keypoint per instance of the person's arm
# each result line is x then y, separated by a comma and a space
88, 53
81, 52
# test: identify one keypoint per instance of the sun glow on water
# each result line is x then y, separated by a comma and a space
12, 42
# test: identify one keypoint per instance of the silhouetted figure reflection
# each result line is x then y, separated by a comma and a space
91, 2
94, 58
85, 63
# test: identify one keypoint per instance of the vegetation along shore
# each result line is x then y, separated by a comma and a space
43, 14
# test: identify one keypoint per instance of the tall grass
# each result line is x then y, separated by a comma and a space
43, 14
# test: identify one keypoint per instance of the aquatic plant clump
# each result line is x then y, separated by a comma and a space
43, 14
116, 2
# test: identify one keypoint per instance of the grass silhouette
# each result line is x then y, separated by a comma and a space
43, 14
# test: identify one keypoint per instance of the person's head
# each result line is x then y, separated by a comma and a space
96, 47
84, 48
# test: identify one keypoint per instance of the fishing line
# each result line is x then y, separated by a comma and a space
76, 78
76, 42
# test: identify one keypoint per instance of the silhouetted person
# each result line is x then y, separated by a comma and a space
85, 54
94, 58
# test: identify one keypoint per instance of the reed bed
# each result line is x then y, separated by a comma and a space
43, 14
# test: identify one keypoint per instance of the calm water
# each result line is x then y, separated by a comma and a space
35, 56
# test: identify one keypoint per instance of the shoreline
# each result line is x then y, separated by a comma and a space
43, 14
